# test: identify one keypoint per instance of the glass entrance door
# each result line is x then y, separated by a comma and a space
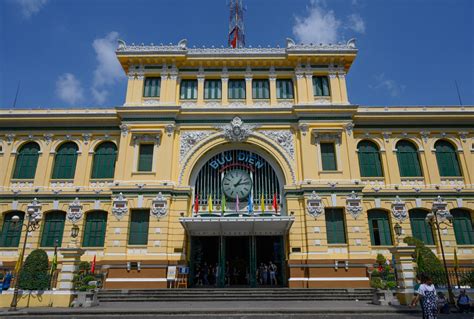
237, 261
270, 258
204, 261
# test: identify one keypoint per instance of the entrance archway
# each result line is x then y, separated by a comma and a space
239, 223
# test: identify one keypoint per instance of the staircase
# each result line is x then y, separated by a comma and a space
236, 294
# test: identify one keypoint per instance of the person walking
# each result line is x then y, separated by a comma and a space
415, 300
427, 293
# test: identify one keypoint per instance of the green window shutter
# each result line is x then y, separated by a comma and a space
380, 233
260, 89
94, 231
419, 227
320, 86
335, 229
103, 165
284, 89
138, 234
152, 87
328, 157
53, 228
408, 161
463, 228
369, 159
145, 158
188, 90
65, 161
236, 89
447, 159
10, 234
212, 89
27, 161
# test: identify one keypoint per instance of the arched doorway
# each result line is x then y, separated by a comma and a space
239, 226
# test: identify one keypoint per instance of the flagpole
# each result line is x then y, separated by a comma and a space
53, 264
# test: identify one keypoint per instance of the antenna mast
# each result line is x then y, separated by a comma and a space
236, 24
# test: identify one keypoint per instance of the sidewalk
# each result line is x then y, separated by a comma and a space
218, 308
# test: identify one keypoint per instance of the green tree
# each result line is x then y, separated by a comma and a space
34, 273
426, 260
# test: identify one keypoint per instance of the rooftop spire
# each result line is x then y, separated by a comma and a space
236, 24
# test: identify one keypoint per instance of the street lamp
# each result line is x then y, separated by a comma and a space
32, 225
398, 229
74, 231
439, 209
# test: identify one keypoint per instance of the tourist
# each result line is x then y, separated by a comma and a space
7, 281
260, 273
265, 274
443, 305
273, 270
464, 303
415, 295
205, 274
427, 293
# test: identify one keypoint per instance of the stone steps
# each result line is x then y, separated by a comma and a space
237, 294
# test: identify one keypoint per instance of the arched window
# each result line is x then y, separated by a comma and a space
380, 234
26, 161
463, 229
104, 160
447, 159
53, 228
94, 231
10, 233
65, 161
408, 161
419, 227
369, 159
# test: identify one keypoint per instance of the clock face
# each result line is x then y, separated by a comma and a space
237, 182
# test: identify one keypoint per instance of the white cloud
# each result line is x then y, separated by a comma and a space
30, 7
321, 25
108, 70
391, 86
356, 23
69, 89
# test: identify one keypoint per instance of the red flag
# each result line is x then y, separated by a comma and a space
196, 204
234, 34
275, 204
93, 265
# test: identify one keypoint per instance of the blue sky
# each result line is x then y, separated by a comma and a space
61, 51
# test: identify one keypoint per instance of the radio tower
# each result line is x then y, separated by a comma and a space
236, 24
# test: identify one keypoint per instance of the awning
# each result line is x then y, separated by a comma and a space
237, 226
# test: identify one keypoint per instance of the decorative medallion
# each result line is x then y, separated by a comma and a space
399, 210
354, 205
119, 206
189, 139
159, 207
237, 130
284, 138
440, 208
349, 127
315, 205
35, 208
74, 212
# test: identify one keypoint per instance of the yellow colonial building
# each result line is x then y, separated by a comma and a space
227, 159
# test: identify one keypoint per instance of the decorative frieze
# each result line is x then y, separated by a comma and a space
399, 209
237, 130
188, 139
159, 207
354, 205
74, 212
283, 138
119, 206
314, 205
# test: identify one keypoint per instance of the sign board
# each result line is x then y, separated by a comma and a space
183, 270
171, 273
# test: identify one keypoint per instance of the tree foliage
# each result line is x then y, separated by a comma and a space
34, 274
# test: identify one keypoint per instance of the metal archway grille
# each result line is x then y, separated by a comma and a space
264, 179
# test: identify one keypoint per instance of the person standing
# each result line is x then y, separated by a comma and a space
427, 293
273, 270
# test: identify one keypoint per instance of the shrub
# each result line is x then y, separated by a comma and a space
34, 273
426, 260
467, 279
381, 260
83, 277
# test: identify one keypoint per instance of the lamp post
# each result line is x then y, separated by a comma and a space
32, 225
439, 208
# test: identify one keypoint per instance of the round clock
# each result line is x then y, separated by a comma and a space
236, 182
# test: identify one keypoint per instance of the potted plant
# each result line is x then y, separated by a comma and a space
85, 286
382, 278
